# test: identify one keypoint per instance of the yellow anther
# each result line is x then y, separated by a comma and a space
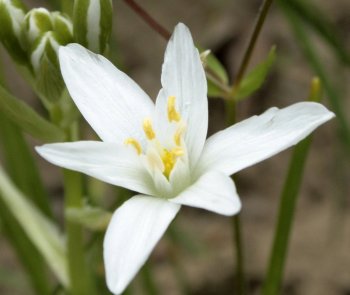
169, 159
173, 115
177, 152
134, 143
148, 129
178, 134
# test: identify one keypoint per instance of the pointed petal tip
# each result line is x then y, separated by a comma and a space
134, 230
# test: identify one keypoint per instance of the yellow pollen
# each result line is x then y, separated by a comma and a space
178, 134
148, 129
135, 144
177, 152
169, 159
173, 115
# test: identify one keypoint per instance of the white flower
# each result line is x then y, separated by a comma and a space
161, 150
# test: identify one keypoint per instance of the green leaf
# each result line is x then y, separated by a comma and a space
26, 251
254, 79
335, 99
27, 119
217, 76
21, 166
91, 217
215, 67
40, 230
24, 173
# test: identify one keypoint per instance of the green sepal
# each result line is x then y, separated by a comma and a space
254, 79
216, 74
49, 81
11, 16
36, 23
90, 217
106, 23
63, 28
96, 39
28, 119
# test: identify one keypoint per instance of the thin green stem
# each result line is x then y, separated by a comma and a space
236, 222
78, 270
80, 279
315, 61
162, 31
289, 196
148, 19
264, 9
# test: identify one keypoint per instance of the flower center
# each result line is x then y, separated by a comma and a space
163, 158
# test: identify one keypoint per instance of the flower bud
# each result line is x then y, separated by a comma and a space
12, 15
92, 21
63, 27
42, 34
36, 22
39, 21
46, 68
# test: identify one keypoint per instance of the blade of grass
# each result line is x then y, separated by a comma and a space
24, 173
42, 232
315, 62
21, 166
27, 119
314, 17
26, 252
288, 200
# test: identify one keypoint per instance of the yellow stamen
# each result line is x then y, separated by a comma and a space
173, 115
178, 134
135, 144
169, 159
177, 152
148, 129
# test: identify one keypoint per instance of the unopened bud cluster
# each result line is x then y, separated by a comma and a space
33, 37
42, 33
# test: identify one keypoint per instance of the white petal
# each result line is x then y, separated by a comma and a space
260, 137
112, 103
213, 191
109, 162
183, 77
134, 230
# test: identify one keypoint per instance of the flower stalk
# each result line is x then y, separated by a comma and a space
231, 118
80, 279
264, 9
289, 197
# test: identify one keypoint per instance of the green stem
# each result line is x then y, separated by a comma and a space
236, 223
264, 9
289, 195
80, 278
78, 270
315, 61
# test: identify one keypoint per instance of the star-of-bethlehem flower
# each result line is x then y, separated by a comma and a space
160, 150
